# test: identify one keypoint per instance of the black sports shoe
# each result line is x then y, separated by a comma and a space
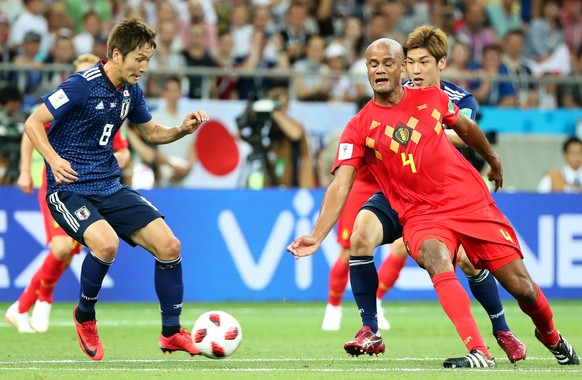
475, 359
564, 352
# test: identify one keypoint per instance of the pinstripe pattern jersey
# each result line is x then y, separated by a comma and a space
88, 111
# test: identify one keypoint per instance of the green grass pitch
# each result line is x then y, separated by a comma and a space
280, 341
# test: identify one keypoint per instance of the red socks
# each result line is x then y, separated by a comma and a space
455, 302
388, 273
338, 279
52, 270
541, 314
42, 283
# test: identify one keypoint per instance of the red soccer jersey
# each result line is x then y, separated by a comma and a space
408, 153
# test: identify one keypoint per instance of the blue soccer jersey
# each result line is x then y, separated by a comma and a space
459, 96
88, 111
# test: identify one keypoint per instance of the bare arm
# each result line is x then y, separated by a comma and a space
455, 139
25, 177
331, 207
474, 137
292, 128
34, 128
155, 133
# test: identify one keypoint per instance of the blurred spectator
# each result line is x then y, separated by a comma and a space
31, 20
76, 9
504, 16
289, 154
294, 33
11, 8
62, 52
226, 86
100, 47
547, 93
365, 11
242, 32
311, 84
92, 28
324, 11
175, 160
197, 11
457, 64
28, 81
6, 53
341, 85
571, 19
57, 21
391, 12
353, 38
568, 179
492, 92
513, 44
569, 93
169, 48
11, 130
475, 32
544, 32
545, 47
413, 13
196, 55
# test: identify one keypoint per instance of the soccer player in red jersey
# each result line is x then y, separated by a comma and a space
39, 292
441, 201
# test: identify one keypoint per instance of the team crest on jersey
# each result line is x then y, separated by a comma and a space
402, 134
125, 108
83, 213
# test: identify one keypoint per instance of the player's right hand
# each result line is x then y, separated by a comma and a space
24, 182
303, 246
63, 171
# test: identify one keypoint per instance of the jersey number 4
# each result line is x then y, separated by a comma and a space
408, 161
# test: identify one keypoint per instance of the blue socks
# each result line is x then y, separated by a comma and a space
170, 291
364, 280
93, 272
484, 289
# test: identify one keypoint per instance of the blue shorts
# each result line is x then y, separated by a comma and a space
125, 210
378, 204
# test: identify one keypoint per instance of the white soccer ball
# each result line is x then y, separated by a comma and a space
216, 334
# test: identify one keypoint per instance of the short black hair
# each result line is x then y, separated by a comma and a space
10, 94
571, 140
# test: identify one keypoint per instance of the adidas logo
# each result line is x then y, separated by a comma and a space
100, 106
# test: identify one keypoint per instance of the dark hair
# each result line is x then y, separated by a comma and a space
10, 94
128, 35
570, 141
429, 37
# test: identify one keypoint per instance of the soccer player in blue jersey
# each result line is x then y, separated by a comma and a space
85, 194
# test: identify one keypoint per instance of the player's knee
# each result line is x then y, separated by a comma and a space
361, 244
434, 257
523, 289
171, 249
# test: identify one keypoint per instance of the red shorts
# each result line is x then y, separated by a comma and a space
489, 240
359, 194
51, 227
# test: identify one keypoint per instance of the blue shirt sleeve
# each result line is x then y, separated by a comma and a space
469, 104
71, 93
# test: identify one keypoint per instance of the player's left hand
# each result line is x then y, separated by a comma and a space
303, 246
193, 120
495, 174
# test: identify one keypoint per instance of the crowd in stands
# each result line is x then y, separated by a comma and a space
322, 42
503, 51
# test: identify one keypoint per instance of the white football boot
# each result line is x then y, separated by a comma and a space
40, 316
20, 320
383, 323
332, 318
